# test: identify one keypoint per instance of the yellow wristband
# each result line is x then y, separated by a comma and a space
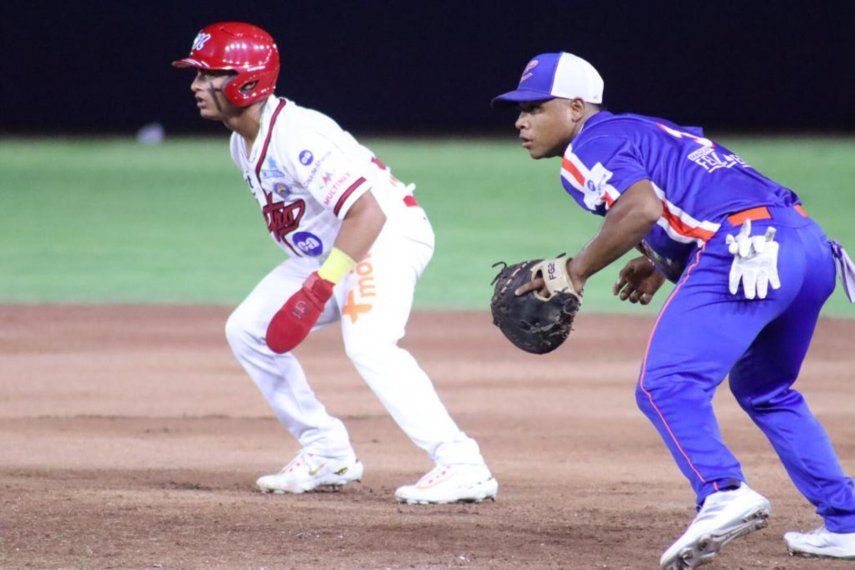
337, 265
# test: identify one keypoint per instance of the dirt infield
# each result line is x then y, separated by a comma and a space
129, 437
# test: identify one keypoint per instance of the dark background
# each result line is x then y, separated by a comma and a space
432, 67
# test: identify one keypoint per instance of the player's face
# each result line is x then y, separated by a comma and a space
546, 127
208, 87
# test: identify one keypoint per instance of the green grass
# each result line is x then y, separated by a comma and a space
108, 220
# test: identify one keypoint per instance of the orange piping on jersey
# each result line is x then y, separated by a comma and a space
682, 228
574, 172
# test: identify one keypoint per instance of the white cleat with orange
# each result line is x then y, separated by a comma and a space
457, 483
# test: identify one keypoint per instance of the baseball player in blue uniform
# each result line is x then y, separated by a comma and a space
751, 272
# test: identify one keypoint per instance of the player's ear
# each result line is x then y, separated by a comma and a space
577, 109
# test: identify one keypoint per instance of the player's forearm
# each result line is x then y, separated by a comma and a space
360, 227
614, 239
627, 222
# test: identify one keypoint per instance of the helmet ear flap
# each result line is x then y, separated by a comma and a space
236, 92
247, 88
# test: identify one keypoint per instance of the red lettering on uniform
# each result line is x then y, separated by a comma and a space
282, 219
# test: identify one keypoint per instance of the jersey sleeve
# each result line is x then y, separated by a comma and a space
599, 170
335, 179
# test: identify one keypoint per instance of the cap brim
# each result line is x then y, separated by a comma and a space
520, 96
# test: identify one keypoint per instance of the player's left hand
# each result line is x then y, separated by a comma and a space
291, 324
545, 281
538, 322
755, 262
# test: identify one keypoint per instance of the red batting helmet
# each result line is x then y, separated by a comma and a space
243, 48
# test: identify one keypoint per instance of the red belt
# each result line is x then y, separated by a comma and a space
760, 213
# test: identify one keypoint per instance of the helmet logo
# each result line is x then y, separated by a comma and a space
200, 41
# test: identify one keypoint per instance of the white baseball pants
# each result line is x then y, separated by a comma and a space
373, 305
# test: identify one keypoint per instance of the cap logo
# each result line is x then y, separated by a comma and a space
527, 71
200, 41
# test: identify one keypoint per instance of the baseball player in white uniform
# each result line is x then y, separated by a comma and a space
357, 243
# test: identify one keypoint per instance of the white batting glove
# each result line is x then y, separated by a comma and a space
755, 262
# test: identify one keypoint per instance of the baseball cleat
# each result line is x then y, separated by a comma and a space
821, 543
725, 515
310, 472
456, 483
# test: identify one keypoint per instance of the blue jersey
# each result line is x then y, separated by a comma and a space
699, 181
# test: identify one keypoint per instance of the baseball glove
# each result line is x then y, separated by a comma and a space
534, 322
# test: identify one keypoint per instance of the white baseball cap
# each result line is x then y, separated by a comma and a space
555, 75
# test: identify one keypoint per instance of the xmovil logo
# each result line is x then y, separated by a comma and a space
306, 157
308, 243
200, 40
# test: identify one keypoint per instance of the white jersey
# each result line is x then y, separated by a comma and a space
306, 172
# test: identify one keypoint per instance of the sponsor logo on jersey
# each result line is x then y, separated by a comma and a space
306, 157
270, 169
281, 188
336, 187
317, 164
308, 243
199, 41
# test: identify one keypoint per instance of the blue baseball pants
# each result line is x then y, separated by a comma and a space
704, 333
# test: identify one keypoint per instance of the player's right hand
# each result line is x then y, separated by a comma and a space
638, 281
292, 323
